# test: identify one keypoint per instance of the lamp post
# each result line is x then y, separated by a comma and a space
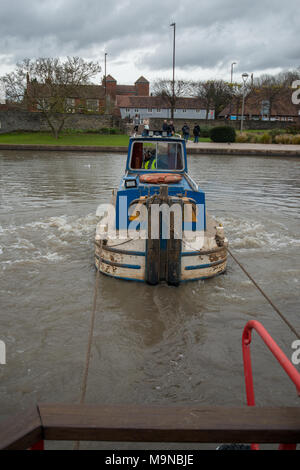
231, 80
105, 79
173, 81
245, 78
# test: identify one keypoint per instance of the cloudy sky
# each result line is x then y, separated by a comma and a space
262, 36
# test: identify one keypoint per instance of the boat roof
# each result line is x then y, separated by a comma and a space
157, 136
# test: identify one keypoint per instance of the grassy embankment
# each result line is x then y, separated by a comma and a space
45, 138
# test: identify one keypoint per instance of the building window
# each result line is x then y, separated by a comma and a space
149, 110
127, 110
158, 110
70, 105
184, 110
136, 110
43, 105
92, 105
197, 110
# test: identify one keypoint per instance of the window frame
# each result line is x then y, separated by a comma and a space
163, 170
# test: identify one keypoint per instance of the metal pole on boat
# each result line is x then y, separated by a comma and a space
173, 81
245, 78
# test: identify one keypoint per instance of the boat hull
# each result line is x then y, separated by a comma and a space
129, 261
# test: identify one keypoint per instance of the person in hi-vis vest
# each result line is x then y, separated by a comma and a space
150, 160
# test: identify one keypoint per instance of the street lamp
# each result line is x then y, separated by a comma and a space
231, 79
245, 78
173, 82
105, 80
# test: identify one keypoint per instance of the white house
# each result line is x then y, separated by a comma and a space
158, 107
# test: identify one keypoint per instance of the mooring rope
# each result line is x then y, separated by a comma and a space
89, 347
282, 316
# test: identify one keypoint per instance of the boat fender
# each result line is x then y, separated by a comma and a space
220, 236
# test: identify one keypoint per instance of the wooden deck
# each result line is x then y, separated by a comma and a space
132, 423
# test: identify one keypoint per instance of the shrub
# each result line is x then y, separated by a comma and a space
205, 131
254, 138
275, 132
293, 129
265, 138
296, 139
242, 137
222, 134
284, 139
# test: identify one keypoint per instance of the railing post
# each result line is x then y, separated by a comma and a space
281, 358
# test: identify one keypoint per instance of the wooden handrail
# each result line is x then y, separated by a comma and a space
133, 423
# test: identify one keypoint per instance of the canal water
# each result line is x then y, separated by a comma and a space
154, 345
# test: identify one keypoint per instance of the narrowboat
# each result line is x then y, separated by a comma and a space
156, 227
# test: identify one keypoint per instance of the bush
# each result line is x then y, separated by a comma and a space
284, 139
222, 134
205, 131
242, 138
296, 139
293, 129
265, 138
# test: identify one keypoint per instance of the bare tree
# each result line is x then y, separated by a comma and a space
268, 88
46, 84
215, 94
163, 87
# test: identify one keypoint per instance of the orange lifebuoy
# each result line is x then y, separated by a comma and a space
160, 178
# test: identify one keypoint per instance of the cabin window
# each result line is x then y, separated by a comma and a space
157, 156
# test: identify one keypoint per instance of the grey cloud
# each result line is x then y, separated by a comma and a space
259, 35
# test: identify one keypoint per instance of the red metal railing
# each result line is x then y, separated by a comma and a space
281, 358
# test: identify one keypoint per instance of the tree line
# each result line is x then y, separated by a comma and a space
49, 82
217, 94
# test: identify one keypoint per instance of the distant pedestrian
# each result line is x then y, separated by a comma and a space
196, 132
186, 131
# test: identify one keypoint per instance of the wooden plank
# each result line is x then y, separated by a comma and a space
21, 431
170, 423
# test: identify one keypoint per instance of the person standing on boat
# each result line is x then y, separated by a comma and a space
196, 132
165, 126
186, 131
171, 129
146, 127
136, 122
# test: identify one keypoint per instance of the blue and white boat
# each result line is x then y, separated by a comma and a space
156, 228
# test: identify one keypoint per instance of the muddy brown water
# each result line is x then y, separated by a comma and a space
154, 345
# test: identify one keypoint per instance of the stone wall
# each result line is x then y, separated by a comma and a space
156, 123
16, 120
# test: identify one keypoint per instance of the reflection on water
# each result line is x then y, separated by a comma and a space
151, 344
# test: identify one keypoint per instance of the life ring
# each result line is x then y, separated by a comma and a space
160, 178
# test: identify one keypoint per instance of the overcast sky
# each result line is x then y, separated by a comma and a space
262, 36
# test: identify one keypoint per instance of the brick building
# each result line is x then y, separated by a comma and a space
85, 98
